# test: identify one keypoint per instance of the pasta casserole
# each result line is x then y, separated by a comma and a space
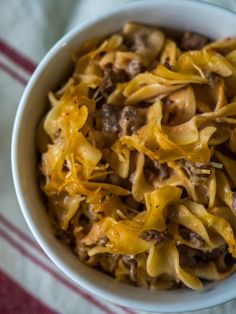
137, 157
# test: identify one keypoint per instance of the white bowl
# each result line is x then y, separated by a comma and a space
203, 18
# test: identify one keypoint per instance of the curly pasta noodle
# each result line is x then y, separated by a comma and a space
138, 158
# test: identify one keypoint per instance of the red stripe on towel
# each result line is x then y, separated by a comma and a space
15, 299
17, 57
20, 234
12, 73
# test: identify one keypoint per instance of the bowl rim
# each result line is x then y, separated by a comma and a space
85, 283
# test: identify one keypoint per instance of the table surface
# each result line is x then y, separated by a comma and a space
29, 282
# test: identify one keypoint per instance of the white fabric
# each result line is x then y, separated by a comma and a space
32, 27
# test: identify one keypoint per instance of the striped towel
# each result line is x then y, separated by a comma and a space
29, 282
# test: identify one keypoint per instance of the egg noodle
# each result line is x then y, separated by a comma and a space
137, 158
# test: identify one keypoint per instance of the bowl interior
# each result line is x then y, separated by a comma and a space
179, 14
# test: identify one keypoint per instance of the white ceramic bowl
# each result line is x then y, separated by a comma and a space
207, 19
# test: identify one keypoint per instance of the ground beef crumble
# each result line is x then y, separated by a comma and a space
193, 41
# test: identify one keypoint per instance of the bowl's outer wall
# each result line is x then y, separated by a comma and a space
183, 15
